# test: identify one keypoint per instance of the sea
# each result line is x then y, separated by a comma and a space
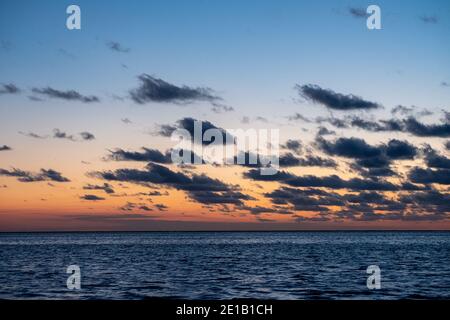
225, 265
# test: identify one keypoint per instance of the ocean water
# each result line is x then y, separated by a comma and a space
225, 265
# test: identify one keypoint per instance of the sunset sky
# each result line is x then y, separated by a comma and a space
85, 115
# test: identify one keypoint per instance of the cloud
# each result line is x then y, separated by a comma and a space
289, 160
348, 147
105, 187
161, 207
58, 134
422, 130
425, 176
305, 200
189, 125
5, 148
9, 89
220, 108
297, 116
397, 149
332, 181
200, 188
130, 206
432, 19
214, 197
334, 100
435, 160
409, 125
91, 197
357, 12
403, 110
323, 131
69, 95
32, 135
157, 90
126, 121
147, 155
293, 145
116, 46
152, 155
87, 136
26, 176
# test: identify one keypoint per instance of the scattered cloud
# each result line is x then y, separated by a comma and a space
357, 12
431, 19
26, 176
116, 46
9, 89
105, 187
333, 100
152, 89
91, 197
69, 95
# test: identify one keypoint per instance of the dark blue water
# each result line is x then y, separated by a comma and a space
209, 265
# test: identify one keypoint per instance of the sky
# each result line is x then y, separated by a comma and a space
86, 115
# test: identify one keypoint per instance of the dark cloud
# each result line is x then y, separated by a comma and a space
348, 147
293, 145
32, 135
368, 155
69, 95
200, 188
189, 124
58, 134
91, 197
332, 181
338, 123
161, 207
423, 130
403, 110
130, 206
334, 100
214, 197
87, 136
9, 88
156, 90
105, 187
323, 131
26, 176
410, 125
433, 19
5, 148
305, 200
220, 108
435, 160
289, 160
153, 155
298, 116
425, 176
397, 149
447, 145
147, 155
116, 46
357, 12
